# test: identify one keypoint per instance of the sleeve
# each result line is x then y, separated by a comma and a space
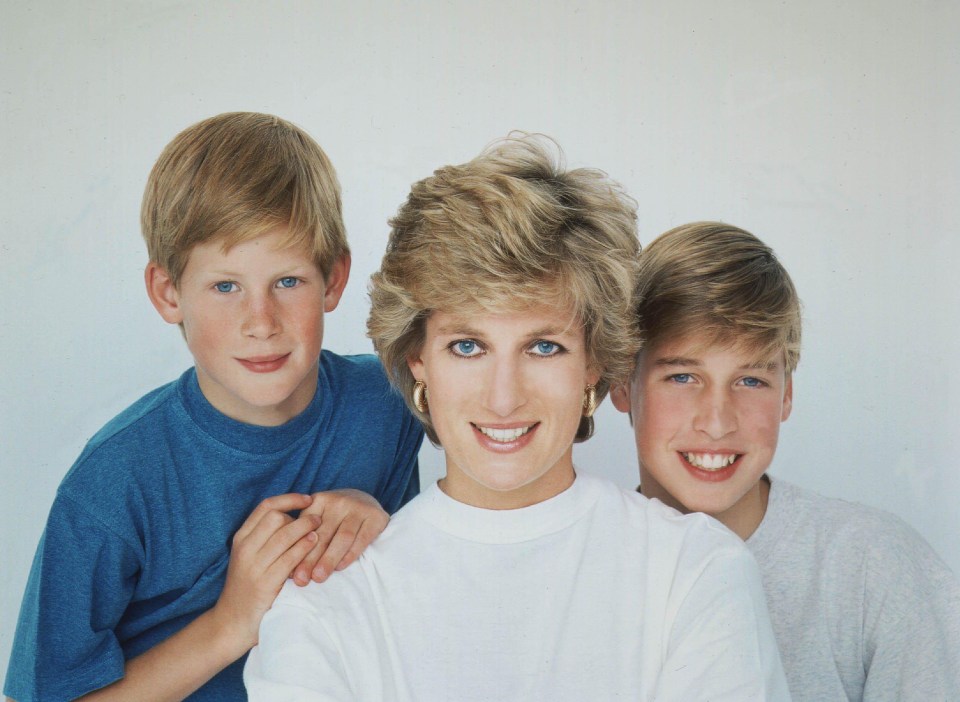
402, 482
911, 621
296, 660
82, 579
721, 645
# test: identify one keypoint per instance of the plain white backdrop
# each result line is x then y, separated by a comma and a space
828, 129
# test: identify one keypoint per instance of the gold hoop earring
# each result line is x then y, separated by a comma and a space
420, 397
589, 401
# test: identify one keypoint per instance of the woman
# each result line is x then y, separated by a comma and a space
502, 314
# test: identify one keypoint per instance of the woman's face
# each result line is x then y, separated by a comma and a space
505, 394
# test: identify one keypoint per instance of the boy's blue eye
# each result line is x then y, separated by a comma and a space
225, 286
681, 378
546, 348
753, 382
288, 282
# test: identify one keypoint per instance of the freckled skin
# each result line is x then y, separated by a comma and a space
253, 320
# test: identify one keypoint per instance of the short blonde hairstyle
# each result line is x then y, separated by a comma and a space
504, 232
721, 284
234, 177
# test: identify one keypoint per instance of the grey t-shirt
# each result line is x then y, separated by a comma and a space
862, 607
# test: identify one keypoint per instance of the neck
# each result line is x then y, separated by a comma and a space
465, 489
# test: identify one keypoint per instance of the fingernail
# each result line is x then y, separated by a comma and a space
319, 574
301, 577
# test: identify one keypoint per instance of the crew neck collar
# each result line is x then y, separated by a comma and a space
249, 438
505, 526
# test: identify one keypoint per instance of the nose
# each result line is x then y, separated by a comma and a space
261, 319
716, 414
505, 386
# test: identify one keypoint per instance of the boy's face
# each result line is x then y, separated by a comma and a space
253, 320
706, 421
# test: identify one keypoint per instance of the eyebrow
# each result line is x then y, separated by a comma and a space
682, 361
458, 329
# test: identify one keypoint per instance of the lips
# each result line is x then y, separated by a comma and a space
505, 439
710, 466
264, 364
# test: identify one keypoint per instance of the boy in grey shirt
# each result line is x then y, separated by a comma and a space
862, 607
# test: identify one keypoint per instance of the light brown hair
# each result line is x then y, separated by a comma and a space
234, 177
721, 284
505, 231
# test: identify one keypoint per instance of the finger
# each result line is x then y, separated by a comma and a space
270, 523
329, 524
284, 539
303, 570
280, 569
339, 545
369, 530
282, 503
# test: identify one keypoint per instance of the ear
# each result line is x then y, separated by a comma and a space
415, 364
336, 281
620, 396
787, 399
163, 293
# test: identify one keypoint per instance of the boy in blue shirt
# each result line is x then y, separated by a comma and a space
157, 562
861, 606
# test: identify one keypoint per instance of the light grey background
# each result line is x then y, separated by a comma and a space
828, 129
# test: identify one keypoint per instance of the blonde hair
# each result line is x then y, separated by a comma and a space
503, 232
234, 177
722, 285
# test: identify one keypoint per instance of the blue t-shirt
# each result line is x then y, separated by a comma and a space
138, 539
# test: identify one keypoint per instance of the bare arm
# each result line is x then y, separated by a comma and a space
265, 549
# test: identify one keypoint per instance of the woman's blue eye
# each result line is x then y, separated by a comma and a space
465, 347
224, 286
288, 282
546, 348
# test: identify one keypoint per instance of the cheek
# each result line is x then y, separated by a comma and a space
306, 317
657, 416
204, 330
764, 423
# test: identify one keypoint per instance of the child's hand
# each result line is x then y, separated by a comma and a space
265, 549
350, 520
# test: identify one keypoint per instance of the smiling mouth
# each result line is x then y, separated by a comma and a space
264, 364
710, 462
503, 436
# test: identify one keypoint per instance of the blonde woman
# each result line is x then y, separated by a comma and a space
502, 314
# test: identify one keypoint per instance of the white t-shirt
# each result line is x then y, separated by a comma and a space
595, 594
861, 605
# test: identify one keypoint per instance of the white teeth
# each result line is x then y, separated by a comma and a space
504, 435
710, 461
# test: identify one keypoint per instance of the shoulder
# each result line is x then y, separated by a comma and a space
873, 550
665, 532
359, 379
353, 371
344, 595
109, 477
138, 416
124, 440
861, 528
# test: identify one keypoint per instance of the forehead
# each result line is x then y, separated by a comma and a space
694, 350
528, 320
273, 246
